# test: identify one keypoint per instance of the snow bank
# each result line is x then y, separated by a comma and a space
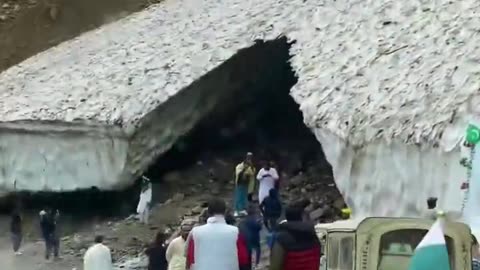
389, 88
61, 158
400, 70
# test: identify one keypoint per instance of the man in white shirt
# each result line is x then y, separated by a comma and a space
175, 254
144, 204
267, 177
98, 256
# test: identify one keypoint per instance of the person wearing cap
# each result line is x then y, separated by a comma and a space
176, 249
244, 184
144, 204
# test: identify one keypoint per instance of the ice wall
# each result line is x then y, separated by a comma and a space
62, 158
395, 178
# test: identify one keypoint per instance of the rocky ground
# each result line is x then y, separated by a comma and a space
188, 191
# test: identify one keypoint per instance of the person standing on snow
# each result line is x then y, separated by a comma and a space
267, 177
144, 204
216, 245
175, 254
98, 256
16, 231
296, 245
244, 184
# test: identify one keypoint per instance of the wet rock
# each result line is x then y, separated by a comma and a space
338, 203
190, 221
3, 18
178, 197
316, 214
197, 210
297, 180
173, 177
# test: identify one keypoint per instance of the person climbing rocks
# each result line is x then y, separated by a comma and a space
244, 184
216, 245
145, 202
98, 256
16, 231
157, 253
267, 177
175, 254
475, 254
296, 245
250, 228
271, 208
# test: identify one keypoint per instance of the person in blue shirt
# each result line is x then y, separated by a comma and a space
250, 228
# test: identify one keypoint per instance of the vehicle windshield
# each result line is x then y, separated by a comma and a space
340, 251
397, 247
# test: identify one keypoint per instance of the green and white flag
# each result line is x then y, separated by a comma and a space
431, 253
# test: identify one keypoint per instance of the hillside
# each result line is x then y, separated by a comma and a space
28, 27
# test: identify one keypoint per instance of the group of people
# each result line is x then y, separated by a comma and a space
220, 245
245, 183
48, 220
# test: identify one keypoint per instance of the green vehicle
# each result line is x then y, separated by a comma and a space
387, 243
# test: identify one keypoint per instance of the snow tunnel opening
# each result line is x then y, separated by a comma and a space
257, 115
253, 112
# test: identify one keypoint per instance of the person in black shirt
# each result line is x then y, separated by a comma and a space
271, 208
48, 225
16, 231
157, 253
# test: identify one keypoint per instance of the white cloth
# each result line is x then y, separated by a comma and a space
215, 245
267, 180
144, 216
98, 257
176, 254
145, 199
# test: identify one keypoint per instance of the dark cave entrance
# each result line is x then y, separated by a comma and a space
255, 114
258, 116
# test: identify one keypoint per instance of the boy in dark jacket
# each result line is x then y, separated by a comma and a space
271, 209
296, 245
250, 228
